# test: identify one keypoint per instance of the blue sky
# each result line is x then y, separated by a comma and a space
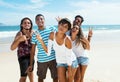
93, 11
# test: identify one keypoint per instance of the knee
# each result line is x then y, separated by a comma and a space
77, 78
22, 79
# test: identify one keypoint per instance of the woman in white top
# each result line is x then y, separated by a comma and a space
65, 58
80, 45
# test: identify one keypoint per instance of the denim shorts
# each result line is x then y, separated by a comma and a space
74, 64
83, 60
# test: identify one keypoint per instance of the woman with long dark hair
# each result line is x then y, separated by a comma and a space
80, 45
23, 45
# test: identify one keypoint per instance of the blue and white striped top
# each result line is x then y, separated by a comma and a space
41, 55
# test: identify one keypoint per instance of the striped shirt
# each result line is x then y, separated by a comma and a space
41, 55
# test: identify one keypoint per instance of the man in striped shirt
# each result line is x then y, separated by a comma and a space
43, 60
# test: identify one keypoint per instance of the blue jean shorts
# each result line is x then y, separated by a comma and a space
74, 64
83, 60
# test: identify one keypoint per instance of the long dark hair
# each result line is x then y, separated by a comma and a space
80, 35
21, 28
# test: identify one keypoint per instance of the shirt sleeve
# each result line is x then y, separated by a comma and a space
33, 39
53, 28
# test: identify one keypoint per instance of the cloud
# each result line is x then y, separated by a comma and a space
33, 4
36, 1
5, 4
96, 12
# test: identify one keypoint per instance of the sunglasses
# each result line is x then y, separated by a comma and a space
75, 28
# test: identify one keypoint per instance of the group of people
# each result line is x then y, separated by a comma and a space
62, 50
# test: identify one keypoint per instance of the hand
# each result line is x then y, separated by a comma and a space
83, 39
22, 38
39, 38
58, 18
29, 69
90, 32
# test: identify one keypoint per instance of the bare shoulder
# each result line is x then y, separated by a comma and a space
67, 40
68, 43
18, 35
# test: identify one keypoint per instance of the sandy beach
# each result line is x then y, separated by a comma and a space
104, 60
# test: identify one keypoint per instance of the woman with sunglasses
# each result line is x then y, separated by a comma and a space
80, 45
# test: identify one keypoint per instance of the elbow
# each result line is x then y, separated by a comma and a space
12, 48
88, 47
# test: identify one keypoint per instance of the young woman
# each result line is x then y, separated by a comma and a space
61, 43
22, 42
80, 45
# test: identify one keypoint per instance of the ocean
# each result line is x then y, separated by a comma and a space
101, 33
10, 31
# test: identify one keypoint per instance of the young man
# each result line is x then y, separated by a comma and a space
43, 60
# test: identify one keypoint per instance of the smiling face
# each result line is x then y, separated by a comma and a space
40, 21
78, 21
64, 25
75, 30
62, 28
26, 24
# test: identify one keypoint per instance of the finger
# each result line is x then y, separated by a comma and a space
36, 33
27, 70
91, 28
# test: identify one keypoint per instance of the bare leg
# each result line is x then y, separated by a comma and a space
30, 75
22, 79
71, 74
61, 74
83, 69
40, 80
77, 75
55, 80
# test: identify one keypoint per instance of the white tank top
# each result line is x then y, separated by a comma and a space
61, 52
79, 50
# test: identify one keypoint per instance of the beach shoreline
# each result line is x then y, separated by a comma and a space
104, 60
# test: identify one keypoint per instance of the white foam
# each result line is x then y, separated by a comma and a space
5, 34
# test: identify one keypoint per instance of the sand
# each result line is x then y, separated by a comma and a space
104, 61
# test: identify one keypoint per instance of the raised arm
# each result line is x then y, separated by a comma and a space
90, 34
19, 38
42, 42
50, 43
86, 42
